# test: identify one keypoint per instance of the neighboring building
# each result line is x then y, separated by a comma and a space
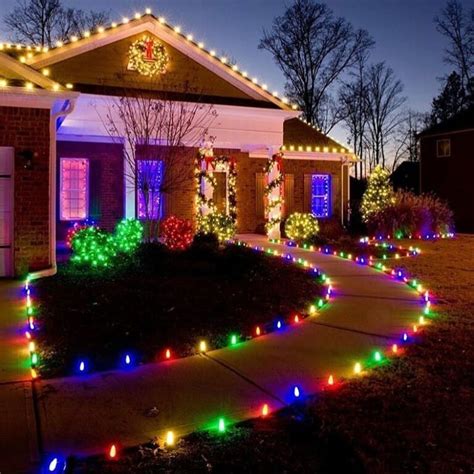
406, 177
58, 163
447, 165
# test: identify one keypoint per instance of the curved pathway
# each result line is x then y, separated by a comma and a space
85, 415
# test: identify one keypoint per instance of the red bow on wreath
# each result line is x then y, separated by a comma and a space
278, 159
209, 161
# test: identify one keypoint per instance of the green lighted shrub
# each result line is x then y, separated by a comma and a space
93, 247
128, 235
97, 248
219, 224
301, 226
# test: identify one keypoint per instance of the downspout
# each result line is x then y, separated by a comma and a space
67, 108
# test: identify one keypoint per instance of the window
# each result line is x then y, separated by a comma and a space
149, 179
443, 148
74, 189
321, 195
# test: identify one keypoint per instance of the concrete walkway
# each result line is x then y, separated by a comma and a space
18, 441
86, 415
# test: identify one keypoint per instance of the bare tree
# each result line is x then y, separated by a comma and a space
158, 133
313, 48
353, 103
457, 25
384, 100
43, 22
405, 142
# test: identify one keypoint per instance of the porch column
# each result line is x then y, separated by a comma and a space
275, 211
129, 180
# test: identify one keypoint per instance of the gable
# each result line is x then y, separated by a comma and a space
105, 53
105, 69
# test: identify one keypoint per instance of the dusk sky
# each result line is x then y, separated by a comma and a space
404, 32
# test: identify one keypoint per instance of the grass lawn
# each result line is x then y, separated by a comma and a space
162, 300
413, 415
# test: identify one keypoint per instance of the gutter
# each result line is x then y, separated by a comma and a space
67, 109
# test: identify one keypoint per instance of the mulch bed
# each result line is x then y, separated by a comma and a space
159, 300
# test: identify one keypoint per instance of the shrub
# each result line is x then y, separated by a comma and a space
205, 242
412, 215
177, 234
301, 226
128, 235
93, 246
219, 224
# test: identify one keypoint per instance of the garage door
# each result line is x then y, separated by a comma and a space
6, 211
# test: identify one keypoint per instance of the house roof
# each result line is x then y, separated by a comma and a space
15, 74
44, 58
299, 135
463, 120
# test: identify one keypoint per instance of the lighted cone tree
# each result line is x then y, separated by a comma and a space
379, 193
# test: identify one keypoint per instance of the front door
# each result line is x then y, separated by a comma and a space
6, 211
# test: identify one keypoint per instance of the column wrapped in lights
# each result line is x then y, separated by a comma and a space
274, 195
205, 166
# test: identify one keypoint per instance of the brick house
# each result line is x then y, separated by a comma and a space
59, 164
447, 165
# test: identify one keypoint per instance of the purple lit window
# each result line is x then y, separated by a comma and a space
321, 195
149, 180
73, 189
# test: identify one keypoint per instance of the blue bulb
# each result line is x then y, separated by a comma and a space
128, 360
279, 324
296, 391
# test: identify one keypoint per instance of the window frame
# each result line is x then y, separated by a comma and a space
87, 189
138, 191
438, 142
328, 195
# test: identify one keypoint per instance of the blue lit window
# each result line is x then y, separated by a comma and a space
149, 180
321, 195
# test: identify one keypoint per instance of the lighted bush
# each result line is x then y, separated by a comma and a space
219, 224
177, 234
412, 215
93, 247
301, 226
128, 235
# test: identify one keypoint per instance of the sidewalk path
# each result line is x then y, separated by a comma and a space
369, 311
18, 442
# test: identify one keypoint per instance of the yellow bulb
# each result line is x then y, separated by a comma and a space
29, 85
203, 346
357, 368
45, 72
170, 438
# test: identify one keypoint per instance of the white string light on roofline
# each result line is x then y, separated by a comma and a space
162, 21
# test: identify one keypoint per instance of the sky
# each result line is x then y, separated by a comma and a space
404, 32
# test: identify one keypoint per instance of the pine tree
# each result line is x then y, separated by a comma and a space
379, 193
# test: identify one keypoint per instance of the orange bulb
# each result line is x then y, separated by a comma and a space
265, 410
331, 380
297, 319
168, 354
257, 331
395, 348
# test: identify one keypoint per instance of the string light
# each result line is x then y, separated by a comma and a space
357, 368
221, 425
202, 346
265, 410
113, 452
170, 439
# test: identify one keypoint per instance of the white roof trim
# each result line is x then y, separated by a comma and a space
27, 73
166, 33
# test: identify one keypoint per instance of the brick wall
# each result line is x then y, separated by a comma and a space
451, 178
106, 181
246, 187
27, 129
